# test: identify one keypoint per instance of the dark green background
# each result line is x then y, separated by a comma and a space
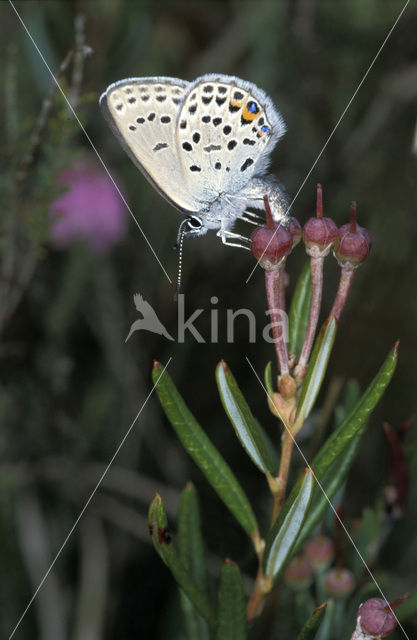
70, 387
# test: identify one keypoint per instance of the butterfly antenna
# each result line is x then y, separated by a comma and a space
179, 245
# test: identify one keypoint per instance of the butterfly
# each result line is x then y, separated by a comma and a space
204, 145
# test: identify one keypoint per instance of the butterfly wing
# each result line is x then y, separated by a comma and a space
142, 113
226, 130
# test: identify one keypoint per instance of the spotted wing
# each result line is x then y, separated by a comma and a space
226, 130
142, 113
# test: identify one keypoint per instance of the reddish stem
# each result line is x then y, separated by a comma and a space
273, 283
319, 202
345, 282
270, 223
352, 227
317, 288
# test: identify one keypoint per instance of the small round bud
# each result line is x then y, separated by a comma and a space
339, 582
271, 246
375, 618
320, 552
287, 386
319, 233
299, 573
294, 227
353, 243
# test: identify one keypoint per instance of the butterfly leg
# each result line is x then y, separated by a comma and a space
252, 218
228, 236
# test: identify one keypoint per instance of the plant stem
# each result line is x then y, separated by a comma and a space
282, 477
262, 586
317, 287
345, 282
276, 312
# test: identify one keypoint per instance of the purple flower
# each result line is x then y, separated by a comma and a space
90, 210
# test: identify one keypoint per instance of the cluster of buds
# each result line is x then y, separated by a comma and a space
271, 244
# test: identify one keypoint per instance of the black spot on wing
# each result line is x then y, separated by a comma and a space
159, 146
248, 162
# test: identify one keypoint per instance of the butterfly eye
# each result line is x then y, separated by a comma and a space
194, 223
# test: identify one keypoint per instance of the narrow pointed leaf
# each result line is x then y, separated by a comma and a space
193, 555
203, 452
242, 420
164, 545
317, 368
268, 379
231, 604
283, 534
332, 463
308, 632
299, 311
325, 631
273, 452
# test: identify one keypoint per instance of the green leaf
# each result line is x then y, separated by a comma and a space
332, 463
308, 632
300, 311
192, 554
326, 628
203, 452
245, 425
283, 534
316, 368
231, 604
268, 379
163, 543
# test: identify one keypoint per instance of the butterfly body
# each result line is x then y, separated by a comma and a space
204, 145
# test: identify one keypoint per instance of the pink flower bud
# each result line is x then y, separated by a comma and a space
353, 243
375, 618
299, 573
339, 582
271, 243
320, 552
294, 227
319, 233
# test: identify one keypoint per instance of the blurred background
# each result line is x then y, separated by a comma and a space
72, 259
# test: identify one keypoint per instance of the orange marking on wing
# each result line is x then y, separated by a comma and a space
248, 115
